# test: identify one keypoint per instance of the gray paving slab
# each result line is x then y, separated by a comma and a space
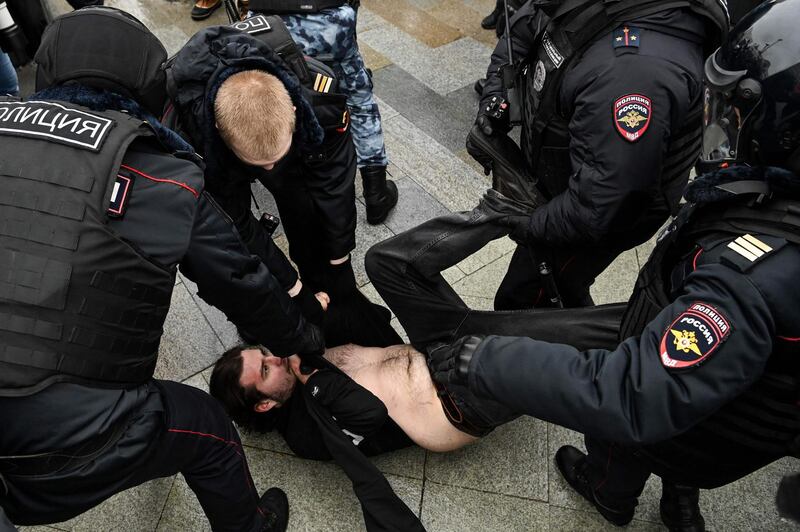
616, 283
320, 495
366, 236
452, 509
565, 519
414, 207
485, 281
264, 202
486, 255
443, 69
224, 329
440, 117
189, 343
441, 174
512, 460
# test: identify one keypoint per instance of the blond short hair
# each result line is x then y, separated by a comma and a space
254, 114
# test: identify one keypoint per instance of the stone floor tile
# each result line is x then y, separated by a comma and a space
484, 282
413, 21
443, 118
136, 509
616, 283
37, 528
368, 20
453, 274
266, 203
408, 462
565, 519
374, 60
399, 328
224, 329
373, 295
452, 509
189, 344
320, 495
387, 111
464, 19
509, 461
489, 253
414, 207
443, 69
643, 251
366, 236
444, 176
478, 303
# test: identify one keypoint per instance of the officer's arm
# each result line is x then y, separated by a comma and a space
522, 35
614, 179
239, 284
629, 395
332, 188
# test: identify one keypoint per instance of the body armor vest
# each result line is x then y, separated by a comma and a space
77, 303
566, 29
766, 418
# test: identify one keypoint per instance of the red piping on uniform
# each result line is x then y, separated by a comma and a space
159, 180
167, 112
564, 267
787, 339
694, 260
223, 440
539, 297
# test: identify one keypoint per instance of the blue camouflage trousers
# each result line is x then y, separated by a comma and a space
330, 36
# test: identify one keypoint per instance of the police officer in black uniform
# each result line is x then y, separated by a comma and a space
313, 184
100, 205
610, 109
703, 388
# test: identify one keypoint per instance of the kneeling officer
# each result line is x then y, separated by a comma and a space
100, 205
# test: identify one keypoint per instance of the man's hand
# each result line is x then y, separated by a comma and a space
449, 363
520, 228
300, 370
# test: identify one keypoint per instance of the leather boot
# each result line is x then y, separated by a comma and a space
274, 509
380, 194
489, 22
680, 508
572, 465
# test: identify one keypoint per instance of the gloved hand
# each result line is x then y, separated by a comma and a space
520, 228
449, 363
312, 343
309, 305
493, 116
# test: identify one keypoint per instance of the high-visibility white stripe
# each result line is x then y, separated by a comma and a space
328, 85
758, 243
743, 252
749, 247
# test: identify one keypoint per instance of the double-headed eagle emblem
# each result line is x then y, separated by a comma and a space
686, 341
632, 119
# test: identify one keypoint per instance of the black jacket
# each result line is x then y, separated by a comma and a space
602, 187
323, 136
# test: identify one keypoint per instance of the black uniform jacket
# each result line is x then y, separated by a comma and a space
706, 347
198, 70
613, 190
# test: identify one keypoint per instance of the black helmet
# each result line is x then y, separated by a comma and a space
104, 48
752, 99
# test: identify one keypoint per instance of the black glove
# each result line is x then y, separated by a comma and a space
520, 228
309, 305
449, 363
312, 343
493, 116
340, 281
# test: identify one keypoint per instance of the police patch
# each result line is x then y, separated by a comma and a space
54, 122
539, 75
632, 116
253, 25
693, 336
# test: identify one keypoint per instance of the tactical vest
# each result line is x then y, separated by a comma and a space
77, 303
765, 418
288, 7
566, 29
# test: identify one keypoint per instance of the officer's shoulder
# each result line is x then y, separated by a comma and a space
322, 78
148, 160
761, 255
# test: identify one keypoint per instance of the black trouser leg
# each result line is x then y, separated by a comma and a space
618, 475
406, 270
201, 443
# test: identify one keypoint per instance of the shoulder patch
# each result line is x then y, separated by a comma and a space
54, 122
253, 25
626, 36
632, 114
119, 195
694, 335
322, 83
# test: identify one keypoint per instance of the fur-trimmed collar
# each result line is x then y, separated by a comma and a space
705, 189
101, 100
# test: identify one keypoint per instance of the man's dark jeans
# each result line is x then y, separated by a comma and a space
406, 271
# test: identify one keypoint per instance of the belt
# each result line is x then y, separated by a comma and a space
54, 461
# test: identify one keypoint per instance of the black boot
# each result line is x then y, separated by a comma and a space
489, 22
274, 507
380, 194
572, 465
680, 508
